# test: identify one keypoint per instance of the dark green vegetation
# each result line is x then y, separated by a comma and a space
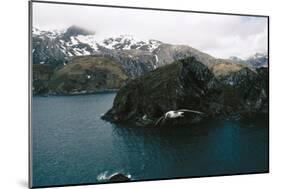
220, 90
42, 75
85, 74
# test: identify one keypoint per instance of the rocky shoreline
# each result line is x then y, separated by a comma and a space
80, 93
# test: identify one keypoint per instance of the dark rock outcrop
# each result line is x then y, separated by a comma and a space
185, 84
224, 90
118, 177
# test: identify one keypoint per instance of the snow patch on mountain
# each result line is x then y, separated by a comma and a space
256, 60
88, 43
156, 58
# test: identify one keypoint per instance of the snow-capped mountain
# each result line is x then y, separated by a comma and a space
256, 61
58, 47
135, 56
76, 41
71, 58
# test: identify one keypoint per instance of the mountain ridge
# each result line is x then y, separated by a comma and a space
76, 41
56, 49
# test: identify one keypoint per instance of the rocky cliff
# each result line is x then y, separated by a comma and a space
220, 91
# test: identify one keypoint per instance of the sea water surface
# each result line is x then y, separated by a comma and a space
71, 144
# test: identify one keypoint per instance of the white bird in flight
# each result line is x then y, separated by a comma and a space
175, 114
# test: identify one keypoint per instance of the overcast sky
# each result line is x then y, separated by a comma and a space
221, 36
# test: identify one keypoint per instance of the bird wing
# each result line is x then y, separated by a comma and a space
192, 111
160, 119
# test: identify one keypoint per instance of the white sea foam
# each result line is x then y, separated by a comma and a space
105, 176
